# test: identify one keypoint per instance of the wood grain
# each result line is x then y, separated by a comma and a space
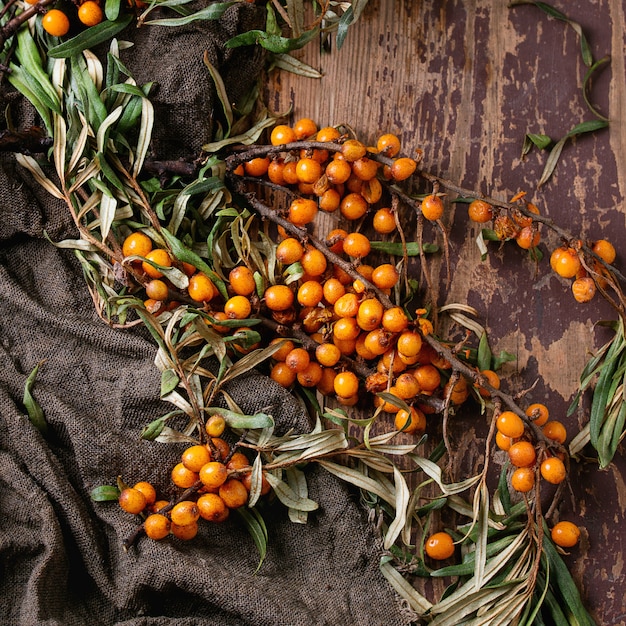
465, 81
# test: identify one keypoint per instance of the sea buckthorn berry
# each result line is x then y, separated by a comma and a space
365, 169
409, 343
137, 244
156, 526
310, 293
282, 134
90, 13
241, 341
427, 376
528, 237
311, 375
510, 424
503, 442
148, 491
338, 171
234, 493
553, 470
55, 23
384, 221
201, 288
326, 386
413, 422
492, 379
334, 240
395, 320
347, 305
157, 290
183, 477
132, 500
289, 251
353, 150
584, 289
459, 392
304, 127
356, 245
308, 170
246, 479
275, 172
565, 534
565, 262
439, 546
195, 457
221, 448
538, 413
522, 454
480, 211
605, 250
184, 533
278, 297
333, 290
432, 207
330, 201
213, 474
353, 206
327, 354
283, 374
346, 328
158, 505
390, 362
184, 513
378, 341
402, 168
370, 314
238, 307
241, 280
212, 508
313, 262
286, 347
346, 346
406, 385
523, 479
385, 276
328, 134
298, 360
160, 257
257, 167
302, 211
215, 426
289, 173
238, 461
388, 145
346, 384
524, 220
555, 431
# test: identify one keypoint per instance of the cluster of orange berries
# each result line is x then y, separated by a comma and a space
216, 479
566, 262
57, 22
512, 436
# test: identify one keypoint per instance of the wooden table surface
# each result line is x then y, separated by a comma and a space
465, 81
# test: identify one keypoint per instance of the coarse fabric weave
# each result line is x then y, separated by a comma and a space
61, 557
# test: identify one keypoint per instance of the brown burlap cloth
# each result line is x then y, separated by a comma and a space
61, 555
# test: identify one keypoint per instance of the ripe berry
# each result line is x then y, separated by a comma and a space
432, 207
439, 546
212, 507
160, 257
415, 422
327, 354
304, 128
565, 262
55, 23
238, 307
257, 167
556, 431
523, 479
385, 276
370, 314
283, 374
308, 170
90, 13
310, 375
241, 280
215, 426
338, 171
522, 454
353, 150
157, 290
132, 500
384, 221
234, 493
605, 250
183, 477
353, 206
388, 145
503, 442
565, 534
346, 384
282, 134
201, 288
356, 245
289, 251
538, 413
298, 360
480, 211
195, 457
302, 211
510, 424
156, 526
584, 289
278, 297
213, 474
185, 533
402, 168
148, 491
395, 320
313, 262
137, 244
553, 470
310, 293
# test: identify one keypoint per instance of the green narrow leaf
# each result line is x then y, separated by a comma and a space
396, 249
587, 80
402, 501
169, 381
484, 353
241, 421
105, 493
221, 93
112, 9
33, 408
551, 162
342, 27
255, 525
288, 496
212, 12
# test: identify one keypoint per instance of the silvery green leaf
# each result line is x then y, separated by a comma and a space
33, 167
108, 206
295, 66
401, 504
103, 131
256, 481
145, 134
402, 586
169, 435
434, 471
288, 496
297, 481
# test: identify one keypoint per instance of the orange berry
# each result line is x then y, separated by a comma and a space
346, 328
413, 422
427, 376
201, 288
605, 250
409, 343
338, 171
328, 134
313, 262
330, 200
215, 426
298, 360
310, 293
241, 280
185, 533
584, 289
333, 290
257, 167
385, 276
406, 385
157, 290
353, 150
522, 454
132, 500
283, 374
510, 424
289, 173
395, 320
213, 474
137, 244
275, 172
195, 457
523, 479
402, 168
356, 245
289, 251
212, 507
538, 413
327, 354
503, 442
238, 307
492, 379
183, 477
149, 492
55, 23
365, 169
353, 206
90, 13
556, 431
384, 221
222, 449
185, 513
388, 145
302, 211
439, 546
346, 384
160, 257
370, 314
304, 128
278, 298
234, 493
310, 375
308, 170
553, 470
156, 526
565, 534
565, 262
282, 134
432, 207
528, 237
480, 211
